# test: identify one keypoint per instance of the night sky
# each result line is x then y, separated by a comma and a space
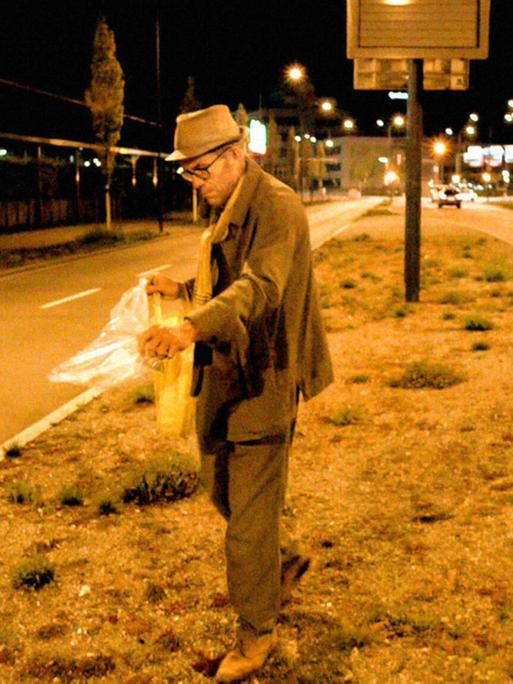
236, 52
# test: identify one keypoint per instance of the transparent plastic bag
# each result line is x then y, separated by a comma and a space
113, 356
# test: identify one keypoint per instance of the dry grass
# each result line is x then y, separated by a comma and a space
408, 509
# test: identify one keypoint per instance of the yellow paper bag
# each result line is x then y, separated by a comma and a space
173, 401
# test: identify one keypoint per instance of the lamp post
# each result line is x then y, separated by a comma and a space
440, 150
469, 130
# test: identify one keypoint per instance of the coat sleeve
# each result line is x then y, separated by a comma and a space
259, 288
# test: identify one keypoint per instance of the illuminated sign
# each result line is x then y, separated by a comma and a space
257, 137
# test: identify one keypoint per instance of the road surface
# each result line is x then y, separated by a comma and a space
50, 313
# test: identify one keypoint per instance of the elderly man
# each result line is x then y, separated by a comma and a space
259, 344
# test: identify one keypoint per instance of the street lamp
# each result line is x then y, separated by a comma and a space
440, 149
295, 73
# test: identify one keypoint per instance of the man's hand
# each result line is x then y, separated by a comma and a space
163, 343
167, 287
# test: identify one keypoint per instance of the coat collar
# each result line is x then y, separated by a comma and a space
252, 177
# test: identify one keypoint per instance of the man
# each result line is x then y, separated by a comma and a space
259, 342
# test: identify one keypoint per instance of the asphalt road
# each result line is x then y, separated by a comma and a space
50, 313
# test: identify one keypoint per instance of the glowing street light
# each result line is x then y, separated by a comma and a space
470, 130
295, 73
348, 125
327, 106
380, 123
398, 120
449, 131
474, 117
439, 148
487, 177
510, 104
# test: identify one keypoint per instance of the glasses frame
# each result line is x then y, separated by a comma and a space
202, 173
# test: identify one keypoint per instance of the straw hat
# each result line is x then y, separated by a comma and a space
199, 132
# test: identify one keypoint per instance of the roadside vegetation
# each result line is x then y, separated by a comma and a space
401, 484
90, 242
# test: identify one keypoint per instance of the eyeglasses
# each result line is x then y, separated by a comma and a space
201, 172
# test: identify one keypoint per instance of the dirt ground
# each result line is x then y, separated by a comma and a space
404, 496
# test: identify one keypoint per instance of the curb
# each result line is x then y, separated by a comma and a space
34, 430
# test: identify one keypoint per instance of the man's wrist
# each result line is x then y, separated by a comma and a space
190, 331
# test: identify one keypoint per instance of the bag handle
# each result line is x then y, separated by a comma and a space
156, 305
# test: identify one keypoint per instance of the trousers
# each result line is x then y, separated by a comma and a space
246, 482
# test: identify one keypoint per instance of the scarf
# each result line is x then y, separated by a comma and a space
216, 232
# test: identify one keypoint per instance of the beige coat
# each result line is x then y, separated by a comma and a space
263, 323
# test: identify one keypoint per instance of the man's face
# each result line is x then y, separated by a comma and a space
221, 171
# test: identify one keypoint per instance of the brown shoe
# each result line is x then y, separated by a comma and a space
249, 655
291, 572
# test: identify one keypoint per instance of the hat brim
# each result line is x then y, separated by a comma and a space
176, 155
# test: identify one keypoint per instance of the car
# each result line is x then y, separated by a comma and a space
448, 196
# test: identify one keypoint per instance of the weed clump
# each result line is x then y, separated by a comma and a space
144, 394
13, 451
361, 237
360, 379
422, 375
34, 574
452, 298
480, 346
496, 273
107, 503
477, 323
348, 284
22, 492
71, 496
345, 416
168, 478
448, 316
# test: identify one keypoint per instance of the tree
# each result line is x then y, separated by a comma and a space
190, 102
104, 97
241, 115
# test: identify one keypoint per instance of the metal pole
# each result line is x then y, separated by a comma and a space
413, 183
159, 120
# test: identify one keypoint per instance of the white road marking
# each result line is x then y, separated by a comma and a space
153, 270
70, 298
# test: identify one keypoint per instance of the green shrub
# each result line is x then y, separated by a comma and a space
497, 272
427, 375
107, 503
347, 284
371, 276
480, 346
477, 323
458, 272
345, 416
400, 313
448, 316
452, 298
360, 379
23, 492
71, 496
362, 237
144, 394
34, 574
100, 236
168, 478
